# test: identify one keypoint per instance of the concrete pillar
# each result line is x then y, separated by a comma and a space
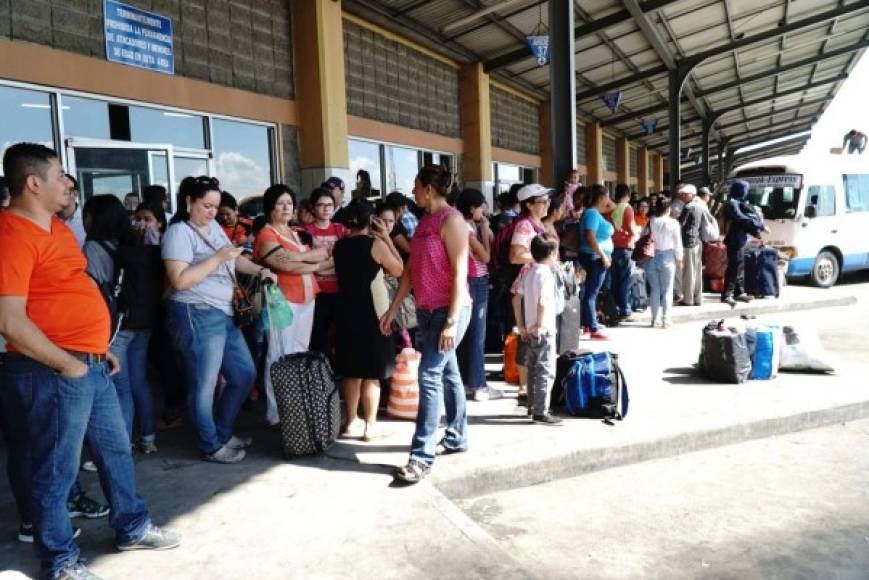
547, 160
657, 173
320, 92
623, 160
594, 152
642, 171
477, 129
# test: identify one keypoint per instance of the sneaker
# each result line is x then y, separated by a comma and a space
547, 419
226, 455
745, 297
584, 333
77, 571
628, 318
730, 301
85, 507
440, 449
599, 336
145, 446
481, 395
25, 533
89, 466
495, 393
154, 539
239, 442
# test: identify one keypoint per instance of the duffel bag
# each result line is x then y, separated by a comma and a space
595, 387
307, 401
724, 354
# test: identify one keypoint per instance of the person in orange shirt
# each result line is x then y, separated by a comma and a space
236, 228
641, 217
57, 327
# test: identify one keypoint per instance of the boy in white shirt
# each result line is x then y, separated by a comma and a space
534, 307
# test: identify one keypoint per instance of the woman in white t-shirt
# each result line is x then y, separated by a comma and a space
661, 271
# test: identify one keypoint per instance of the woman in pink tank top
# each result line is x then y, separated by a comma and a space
438, 275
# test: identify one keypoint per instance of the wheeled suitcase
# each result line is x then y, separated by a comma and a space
308, 404
639, 298
569, 326
724, 354
761, 271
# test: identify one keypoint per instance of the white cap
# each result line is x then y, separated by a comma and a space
689, 189
532, 190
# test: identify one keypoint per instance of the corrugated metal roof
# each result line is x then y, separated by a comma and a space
621, 50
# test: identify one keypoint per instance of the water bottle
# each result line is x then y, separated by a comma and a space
280, 313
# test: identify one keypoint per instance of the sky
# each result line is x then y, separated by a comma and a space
848, 110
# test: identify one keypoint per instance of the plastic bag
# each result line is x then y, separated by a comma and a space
280, 315
803, 352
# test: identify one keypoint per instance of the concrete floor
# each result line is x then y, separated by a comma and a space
793, 506
338, 516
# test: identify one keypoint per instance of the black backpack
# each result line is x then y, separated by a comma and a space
134, 293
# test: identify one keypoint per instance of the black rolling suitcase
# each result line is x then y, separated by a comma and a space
761, 271
308, 404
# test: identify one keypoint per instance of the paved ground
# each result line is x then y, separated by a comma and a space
794, 506
338, 517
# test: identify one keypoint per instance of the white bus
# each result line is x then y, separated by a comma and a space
817, 210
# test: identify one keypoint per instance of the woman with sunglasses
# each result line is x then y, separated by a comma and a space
201, 265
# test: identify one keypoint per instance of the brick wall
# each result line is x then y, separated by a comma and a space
244, 44
515, 122
391, 82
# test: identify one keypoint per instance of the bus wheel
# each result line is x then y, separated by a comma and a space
825, 272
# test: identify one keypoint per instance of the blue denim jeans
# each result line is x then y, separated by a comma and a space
134, 392
60, 413
440, 384
595, 274
212, 344
620, 280
472, 355
14, 412
661, 272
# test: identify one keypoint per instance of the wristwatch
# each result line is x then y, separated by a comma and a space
450, 321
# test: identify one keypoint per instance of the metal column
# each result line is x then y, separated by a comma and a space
707, 129
562, 76
721, 147
675, 136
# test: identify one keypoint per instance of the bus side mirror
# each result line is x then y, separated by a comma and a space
811, 211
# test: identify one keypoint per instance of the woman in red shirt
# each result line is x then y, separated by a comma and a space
324, 233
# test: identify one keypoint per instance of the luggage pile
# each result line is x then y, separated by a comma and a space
591, 385
732, 355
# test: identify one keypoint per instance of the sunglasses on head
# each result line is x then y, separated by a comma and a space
205, 180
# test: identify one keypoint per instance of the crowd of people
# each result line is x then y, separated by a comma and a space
95, 299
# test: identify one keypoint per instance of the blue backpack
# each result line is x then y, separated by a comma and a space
595, 386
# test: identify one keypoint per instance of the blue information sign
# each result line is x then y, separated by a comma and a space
138, 38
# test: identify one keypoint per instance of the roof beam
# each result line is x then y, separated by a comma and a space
588, 28
658, 109
696, 59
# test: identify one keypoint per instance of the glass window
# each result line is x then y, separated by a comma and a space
365, 156
823, 197
26, 117
195, 166
242, 155
775, 202
156, 126
85, 118
856, 192
508, 173
402, 165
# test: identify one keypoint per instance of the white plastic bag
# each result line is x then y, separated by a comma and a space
803, 352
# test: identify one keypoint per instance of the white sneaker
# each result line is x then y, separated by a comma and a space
226, 455
481, 395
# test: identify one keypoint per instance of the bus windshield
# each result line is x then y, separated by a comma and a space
777, 196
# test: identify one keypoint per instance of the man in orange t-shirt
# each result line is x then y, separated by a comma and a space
57, 328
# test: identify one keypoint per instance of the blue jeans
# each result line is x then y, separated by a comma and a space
60, 413
212, 344
661, 272
14, 410
439, 381
472, 356
134, 392
595, 274
620, 280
